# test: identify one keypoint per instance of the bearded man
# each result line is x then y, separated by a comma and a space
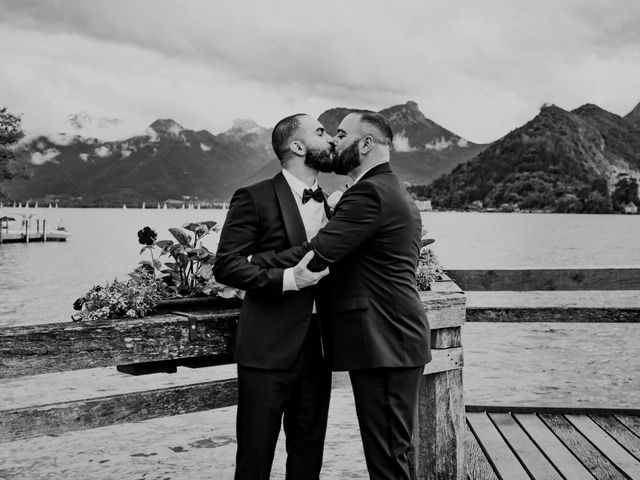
282, 376
373, 323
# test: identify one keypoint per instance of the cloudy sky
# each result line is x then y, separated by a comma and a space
478, 68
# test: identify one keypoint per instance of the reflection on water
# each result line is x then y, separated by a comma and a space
553, 364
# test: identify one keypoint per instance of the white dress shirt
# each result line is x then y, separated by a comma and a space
313, 216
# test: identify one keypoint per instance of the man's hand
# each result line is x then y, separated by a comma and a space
305, 278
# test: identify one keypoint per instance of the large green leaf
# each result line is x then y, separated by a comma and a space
163, 244
180, 235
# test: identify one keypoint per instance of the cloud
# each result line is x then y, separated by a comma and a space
477, 68
49, 155
401, 143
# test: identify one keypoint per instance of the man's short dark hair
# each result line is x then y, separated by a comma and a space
379, 122
282, 133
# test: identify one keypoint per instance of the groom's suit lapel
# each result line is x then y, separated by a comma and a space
290, 212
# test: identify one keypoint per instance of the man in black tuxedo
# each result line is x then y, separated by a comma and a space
373, 322
282, 376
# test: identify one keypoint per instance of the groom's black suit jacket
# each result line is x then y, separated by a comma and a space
272, 325
370, 311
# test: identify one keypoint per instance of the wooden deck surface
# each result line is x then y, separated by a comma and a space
549, 444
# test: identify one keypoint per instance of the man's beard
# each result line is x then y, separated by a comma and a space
319, 159
347, 160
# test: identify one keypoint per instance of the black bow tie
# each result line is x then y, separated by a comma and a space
316, 194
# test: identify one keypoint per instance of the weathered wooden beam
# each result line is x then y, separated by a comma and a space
446, 338
554, 314
115, 409
35, 349
551, 410
443, 360
80, 414
440, 427
547, 279
444, 309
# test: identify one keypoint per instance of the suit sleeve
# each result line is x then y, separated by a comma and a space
238, 240
356, 218
284, 259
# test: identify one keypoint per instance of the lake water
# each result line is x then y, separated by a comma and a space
540, 363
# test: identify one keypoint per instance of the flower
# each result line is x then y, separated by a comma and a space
147, 236
77, 305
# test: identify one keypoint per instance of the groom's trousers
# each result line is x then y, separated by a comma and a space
386, 404
297, 398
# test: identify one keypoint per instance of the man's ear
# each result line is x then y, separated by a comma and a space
367, 144
298, 148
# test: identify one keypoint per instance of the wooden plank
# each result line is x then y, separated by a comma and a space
503, 460
599, 465
530, 456
444, 310
619, 432
477, 467
553, 448
440, 427
447, 285
606, 444
554, 314
446, 338
35, 349
631, 421
115, 409
443, 360
560, 410
547, 279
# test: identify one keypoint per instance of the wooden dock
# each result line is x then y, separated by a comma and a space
514, 443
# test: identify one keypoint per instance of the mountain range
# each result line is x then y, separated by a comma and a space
558, 161
561, 161
168, 161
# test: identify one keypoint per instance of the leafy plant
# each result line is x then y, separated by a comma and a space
429, 268
132, 299
190, 269
187, 272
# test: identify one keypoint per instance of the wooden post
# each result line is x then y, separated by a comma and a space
441, 418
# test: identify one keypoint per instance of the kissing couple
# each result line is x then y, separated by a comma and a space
326, 290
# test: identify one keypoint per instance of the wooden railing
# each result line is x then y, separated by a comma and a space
595, 279
194, 336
